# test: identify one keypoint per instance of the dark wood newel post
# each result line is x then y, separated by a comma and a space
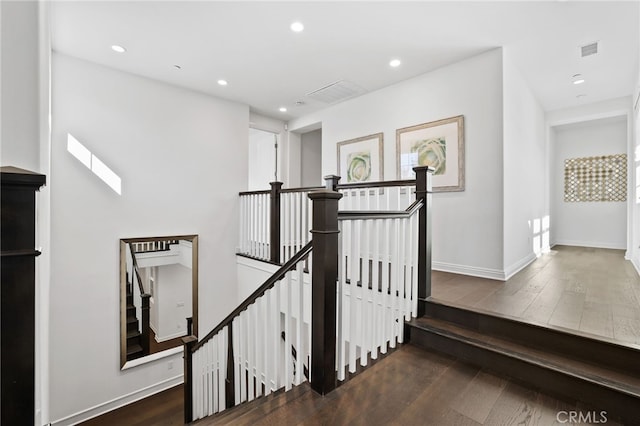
146, 328
188, 342
274, 233
323, 290
332, 182
423, 191
189, 326
229, 385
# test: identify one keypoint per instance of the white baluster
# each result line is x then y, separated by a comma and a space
354, 275
299, 321
288, 373
237, 396
340, 296
364, 289
375, 294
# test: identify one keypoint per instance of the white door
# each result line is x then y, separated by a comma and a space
263, 169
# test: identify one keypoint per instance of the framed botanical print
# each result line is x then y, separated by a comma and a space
438, 144
360, 159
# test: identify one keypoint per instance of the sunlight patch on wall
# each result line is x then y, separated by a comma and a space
94, 164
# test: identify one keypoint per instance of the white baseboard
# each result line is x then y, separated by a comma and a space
592, 244
634, 262
492, 274
118, 402
518, 266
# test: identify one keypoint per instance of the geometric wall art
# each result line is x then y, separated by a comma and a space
601, 178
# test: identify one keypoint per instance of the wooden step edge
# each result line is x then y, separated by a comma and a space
133, 349
236, 412
535, 324
630, 390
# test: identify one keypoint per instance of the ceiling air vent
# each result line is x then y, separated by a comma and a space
336, 92
589, 49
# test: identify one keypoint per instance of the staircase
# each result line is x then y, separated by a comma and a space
567, 365
134, 338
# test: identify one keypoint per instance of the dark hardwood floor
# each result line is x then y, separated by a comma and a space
164, 409
590, 290
411, 386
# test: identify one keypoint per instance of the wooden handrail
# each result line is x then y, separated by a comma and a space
380, 214
380, 184
135, 270
277, 276
358, 185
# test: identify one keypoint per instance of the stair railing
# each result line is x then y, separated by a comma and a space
143, 313
275, 223
244, 357
377, 282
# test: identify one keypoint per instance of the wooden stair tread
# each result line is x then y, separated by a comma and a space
611, 378
133, 349
251, 412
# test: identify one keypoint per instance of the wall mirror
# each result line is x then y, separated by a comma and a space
158, 296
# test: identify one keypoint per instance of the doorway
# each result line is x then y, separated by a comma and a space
263, 159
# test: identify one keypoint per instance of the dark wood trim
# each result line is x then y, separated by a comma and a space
167, 238
381, 184
262, 191
277, 276
17, 177
146, 325
15, 253
18, 294
423, 192
380, 214
303, 189
324, 276
259, 259
274, 231
188, 342
229, 383
363, 185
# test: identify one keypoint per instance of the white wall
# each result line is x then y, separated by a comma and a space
172, 148
467, 226
173, 297
524, 171
590, 224
19, 83
311, 158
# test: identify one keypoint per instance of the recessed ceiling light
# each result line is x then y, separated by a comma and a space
580, 96
118, 48
178, 67
283, 109
222, 82
297, 27
395, 63
578, 79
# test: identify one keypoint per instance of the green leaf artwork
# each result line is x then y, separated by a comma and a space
432, 152
359, 166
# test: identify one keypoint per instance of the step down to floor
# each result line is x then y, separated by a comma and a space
584, 369
252, 412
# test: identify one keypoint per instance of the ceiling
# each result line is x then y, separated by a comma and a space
268, 66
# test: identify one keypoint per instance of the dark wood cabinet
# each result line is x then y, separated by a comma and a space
17, 294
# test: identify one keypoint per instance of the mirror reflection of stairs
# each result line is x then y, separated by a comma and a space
134, 338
